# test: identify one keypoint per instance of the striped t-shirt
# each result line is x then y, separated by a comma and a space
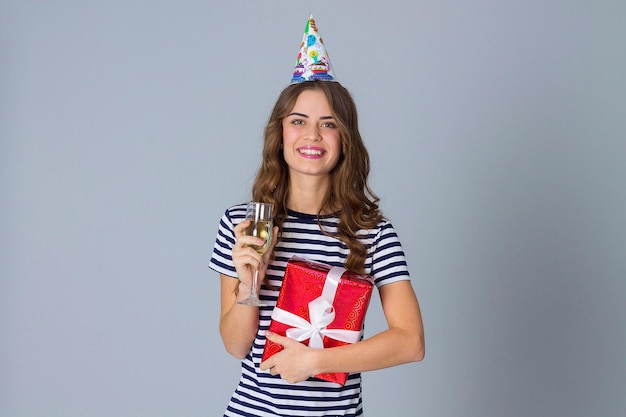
261, 394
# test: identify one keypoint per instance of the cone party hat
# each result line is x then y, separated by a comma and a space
313, 62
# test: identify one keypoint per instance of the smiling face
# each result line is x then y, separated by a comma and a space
311, 139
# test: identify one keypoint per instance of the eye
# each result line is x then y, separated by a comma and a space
329, 125
297, 122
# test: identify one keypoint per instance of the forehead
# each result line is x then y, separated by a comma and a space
312, 101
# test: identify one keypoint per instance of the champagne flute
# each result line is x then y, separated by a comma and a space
261, 225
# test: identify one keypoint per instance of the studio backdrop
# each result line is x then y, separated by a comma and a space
496, 133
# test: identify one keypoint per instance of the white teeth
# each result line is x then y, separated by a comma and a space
310, 151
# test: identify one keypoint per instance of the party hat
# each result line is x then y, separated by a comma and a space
313, 62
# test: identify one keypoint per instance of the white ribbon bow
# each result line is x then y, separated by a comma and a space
321, 313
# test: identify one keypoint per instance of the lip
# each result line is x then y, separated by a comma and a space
311, 152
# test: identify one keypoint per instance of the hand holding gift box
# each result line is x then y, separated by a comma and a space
320, 306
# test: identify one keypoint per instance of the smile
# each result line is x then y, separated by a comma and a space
311, 151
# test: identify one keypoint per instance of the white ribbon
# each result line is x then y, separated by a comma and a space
321, 313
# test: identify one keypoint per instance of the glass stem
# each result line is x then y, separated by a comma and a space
253, 292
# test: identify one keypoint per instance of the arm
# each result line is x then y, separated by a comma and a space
402, 342
239, 323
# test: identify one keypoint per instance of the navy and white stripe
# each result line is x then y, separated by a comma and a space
261, 394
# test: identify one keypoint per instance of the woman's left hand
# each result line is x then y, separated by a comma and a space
295, 363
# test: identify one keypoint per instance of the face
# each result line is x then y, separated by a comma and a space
311, 140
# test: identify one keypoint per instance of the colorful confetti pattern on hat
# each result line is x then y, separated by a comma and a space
313, 62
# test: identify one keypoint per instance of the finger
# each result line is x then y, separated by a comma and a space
240, 227
245, 240
247, 257
266, 364
278, 339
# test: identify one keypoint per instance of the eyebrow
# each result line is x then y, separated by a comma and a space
305, 116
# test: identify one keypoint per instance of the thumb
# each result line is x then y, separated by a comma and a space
278, 339
268, 253
274, 237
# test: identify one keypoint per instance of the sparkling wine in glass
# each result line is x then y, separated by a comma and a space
260, 216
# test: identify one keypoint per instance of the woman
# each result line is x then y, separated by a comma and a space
314, 170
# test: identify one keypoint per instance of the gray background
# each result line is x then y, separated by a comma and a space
497, 136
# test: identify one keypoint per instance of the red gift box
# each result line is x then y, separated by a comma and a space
320, 306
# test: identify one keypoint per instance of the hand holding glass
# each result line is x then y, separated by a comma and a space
260, 216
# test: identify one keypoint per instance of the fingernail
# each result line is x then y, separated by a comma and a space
268, 333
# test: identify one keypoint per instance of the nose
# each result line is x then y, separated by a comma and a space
313, 133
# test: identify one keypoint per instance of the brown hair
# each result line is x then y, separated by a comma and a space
349, 193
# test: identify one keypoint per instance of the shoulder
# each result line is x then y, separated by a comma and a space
233, 215
385, 227
382, 229
236, 211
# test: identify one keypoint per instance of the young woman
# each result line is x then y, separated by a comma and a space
314, 171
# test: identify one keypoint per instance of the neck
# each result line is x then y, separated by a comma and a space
307, 194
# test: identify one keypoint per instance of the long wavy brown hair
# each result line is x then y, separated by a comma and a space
349, 194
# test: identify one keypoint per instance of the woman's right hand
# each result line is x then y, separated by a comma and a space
246, 259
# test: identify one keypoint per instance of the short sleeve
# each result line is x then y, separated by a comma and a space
221, 258
388, 259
